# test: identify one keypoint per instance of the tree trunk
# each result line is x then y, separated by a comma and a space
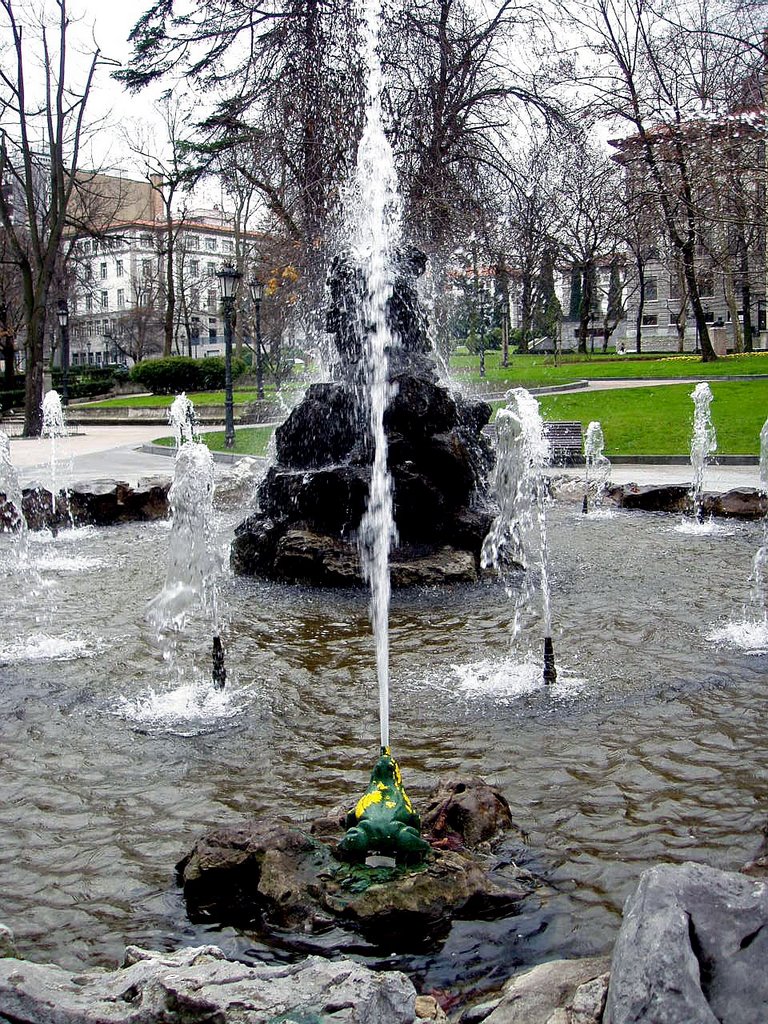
33, 391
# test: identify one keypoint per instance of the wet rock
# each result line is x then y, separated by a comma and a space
268, 875
739, 503
468, 809
670, 498
200, 986
311, 503
558, 992
96, 503
758, 866
692, 948
7, 942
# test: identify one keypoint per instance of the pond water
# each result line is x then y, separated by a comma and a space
651, 746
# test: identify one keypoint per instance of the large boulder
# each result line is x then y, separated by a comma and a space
200, 986
557, 992
272, 877
96, 503
692, 949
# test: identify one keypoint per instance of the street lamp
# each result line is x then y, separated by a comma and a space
228, 278
257, 294
62, 312
196, 332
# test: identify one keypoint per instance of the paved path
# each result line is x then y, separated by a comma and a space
114, 453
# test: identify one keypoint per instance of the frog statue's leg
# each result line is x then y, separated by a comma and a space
354, 845
409, 845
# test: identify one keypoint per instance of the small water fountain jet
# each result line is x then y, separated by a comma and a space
751, 631
703, 444
54, 427
598, 468
12, 518
518, 537
193, 562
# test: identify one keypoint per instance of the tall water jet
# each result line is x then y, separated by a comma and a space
374, 230
598, 468
518, 537
703, 444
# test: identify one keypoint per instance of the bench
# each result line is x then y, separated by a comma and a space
566, 439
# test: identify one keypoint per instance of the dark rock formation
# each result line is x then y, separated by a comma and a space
273, 878
692, 948
97, 503
739, 503
311, 501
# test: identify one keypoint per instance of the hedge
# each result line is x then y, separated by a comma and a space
180, 373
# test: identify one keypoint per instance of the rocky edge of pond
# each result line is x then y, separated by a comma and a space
691, 950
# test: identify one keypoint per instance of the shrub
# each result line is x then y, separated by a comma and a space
180, 373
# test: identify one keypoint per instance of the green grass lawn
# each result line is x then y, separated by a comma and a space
248, 440
160, 401
541, 371
659, 420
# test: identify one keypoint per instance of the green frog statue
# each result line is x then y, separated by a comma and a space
383, 820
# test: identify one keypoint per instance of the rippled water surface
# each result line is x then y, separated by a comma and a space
651, 746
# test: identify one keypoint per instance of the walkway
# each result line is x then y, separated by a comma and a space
115, 453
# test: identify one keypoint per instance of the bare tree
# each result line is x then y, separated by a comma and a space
42, 121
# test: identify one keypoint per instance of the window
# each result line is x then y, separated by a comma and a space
650, 320
709, 316
106, 328
194, 298
211, 269
90, 358
119, 268
88, 303
651, 289
90, 329
145, 238
194, 242
146, 268
121, 298
105, 300
706, 284
210, 244
212, 296
74, 358
98, 358
85, 246
674, 287
95, 245
229, 245
102, 270
673, 318
212, 329
194, 268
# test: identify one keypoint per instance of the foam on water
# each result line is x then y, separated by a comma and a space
189, 709
748, 635
505, 680
44, 647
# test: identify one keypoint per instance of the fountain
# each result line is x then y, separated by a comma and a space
518, 537
193, 561
703, 444
598, 469
750, 632
12, 513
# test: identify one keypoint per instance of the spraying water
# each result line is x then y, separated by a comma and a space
13, 520
703, 443
55, 428
182, 418
374, 233
598, 468
193, 560
518, 537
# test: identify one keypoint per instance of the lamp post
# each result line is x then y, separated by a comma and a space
195, 332
257, 294
62, 312
228, 278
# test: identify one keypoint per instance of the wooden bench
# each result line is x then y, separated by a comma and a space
566, 439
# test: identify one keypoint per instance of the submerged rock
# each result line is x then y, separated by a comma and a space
200, 986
